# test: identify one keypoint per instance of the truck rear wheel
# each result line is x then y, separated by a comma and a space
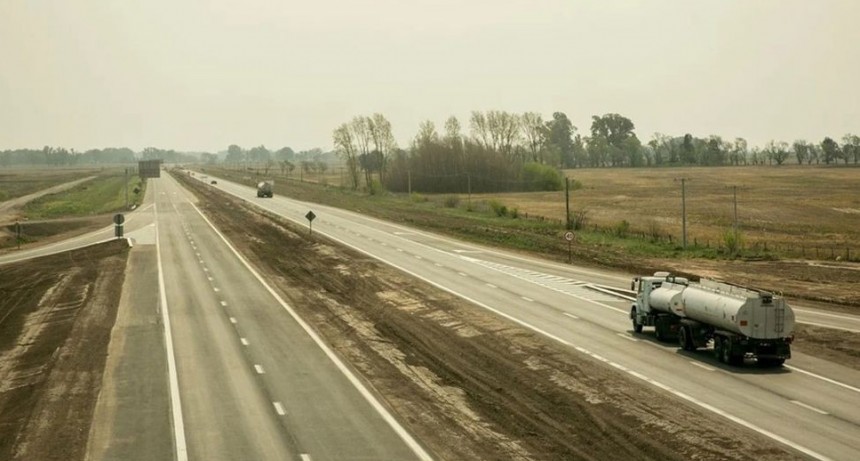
731, 356
718, 348
685, 339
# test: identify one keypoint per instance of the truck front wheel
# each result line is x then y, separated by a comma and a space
637, 327
685, 339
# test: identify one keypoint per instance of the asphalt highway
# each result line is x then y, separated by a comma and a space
810, 405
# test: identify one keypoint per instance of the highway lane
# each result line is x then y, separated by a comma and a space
812, 406
253, 383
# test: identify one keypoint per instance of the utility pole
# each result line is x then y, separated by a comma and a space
126, 188
469, 185
735, 199
683, 213
567, 203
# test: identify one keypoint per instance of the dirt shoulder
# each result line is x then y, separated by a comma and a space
467, 383
56, 315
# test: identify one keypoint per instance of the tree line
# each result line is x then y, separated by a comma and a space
509, 151
60, 156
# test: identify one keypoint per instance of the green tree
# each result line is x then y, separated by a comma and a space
559, 136
830, 150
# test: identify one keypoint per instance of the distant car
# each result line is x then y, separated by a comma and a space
213, 182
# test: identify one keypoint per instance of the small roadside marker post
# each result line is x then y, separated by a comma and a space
569, 237
118, 219
310, 217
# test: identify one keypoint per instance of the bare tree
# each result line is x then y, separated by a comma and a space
533, 130
345, 145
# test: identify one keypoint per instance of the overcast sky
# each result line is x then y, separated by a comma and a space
202, 74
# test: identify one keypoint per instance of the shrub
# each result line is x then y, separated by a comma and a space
654, 230
515, 213
538, 176
498, 208
451, 201
621, 229
733, 241
418, 198
578, 219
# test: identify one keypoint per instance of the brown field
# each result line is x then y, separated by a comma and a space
16, 182
799, 207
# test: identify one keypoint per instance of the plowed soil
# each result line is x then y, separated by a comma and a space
56, 315
467, 383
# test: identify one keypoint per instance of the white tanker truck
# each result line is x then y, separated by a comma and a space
741, 322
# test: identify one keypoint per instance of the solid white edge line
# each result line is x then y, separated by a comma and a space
827, 326
653, 382
845, 317
831, 381
353, 379
175, 401
808, 407
627, 337
705, 367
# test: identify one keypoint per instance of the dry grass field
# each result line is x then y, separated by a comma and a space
790, 207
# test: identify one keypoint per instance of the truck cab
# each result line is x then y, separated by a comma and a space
644, 313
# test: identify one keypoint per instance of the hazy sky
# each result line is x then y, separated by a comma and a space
202, 74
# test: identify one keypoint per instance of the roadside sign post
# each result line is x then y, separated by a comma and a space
569, 237
118, 219
310, 217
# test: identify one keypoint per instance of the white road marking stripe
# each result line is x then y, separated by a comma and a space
175, 400
400, 250
259, 369
491, 285
829, 326
224, 303
702, 366
808, 407
205, 270
571, 315
527, 299
438, 265
831, 381
243, 341
464, 275
845, 317
418, 257
216, 289
305, 457
233, 320
210, 278
627, 337
279, 408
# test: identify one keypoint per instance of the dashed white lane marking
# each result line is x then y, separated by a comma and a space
527, 299
625, 336
233, 320
243, 341
705, 367
205, 270
410, 441
279, 408
305, 457
224, 303
400, 250
438, 265
571, 315
808, 407
200, 261
216, 289
196, 253
418, 257
210, 278
259, 369
831, 381
491, 285
464, 275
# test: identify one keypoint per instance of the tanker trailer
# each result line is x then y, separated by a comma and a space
739, 321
